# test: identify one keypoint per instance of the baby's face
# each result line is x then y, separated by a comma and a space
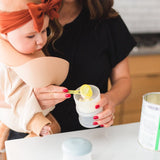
26, 40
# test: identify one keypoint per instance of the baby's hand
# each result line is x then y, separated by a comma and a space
46, 130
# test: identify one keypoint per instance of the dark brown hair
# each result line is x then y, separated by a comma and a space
98, 9
56, 31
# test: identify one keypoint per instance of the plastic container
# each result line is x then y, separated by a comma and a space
86, 119
76, 148
86, 108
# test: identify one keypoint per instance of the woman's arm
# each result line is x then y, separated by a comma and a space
121, 87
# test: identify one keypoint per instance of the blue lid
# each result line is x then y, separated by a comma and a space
77, 146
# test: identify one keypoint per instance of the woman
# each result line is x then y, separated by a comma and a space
96, 43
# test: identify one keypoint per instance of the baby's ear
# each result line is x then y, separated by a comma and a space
4, 36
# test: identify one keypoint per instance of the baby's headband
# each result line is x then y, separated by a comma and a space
13, 20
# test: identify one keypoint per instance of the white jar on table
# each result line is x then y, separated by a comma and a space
76, 148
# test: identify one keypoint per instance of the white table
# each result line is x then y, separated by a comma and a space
113, 143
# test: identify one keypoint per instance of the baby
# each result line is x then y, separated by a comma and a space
24, 25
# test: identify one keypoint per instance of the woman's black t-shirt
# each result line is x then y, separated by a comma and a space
93, 48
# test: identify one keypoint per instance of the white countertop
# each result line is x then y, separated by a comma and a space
113, 143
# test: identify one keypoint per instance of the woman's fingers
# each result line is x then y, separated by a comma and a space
106, 117
108, 124
107, 121
51, 88
47, 100
51, 95
49, 103
105, 113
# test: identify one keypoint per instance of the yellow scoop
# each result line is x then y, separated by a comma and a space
85, 91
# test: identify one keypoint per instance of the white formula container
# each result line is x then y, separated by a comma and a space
149, 131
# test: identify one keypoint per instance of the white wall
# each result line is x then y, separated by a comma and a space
141, 16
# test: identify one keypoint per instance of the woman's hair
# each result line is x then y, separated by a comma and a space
56, 31
98, 9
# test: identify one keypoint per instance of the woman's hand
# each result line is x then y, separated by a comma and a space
51, 95
121, 87
106, 117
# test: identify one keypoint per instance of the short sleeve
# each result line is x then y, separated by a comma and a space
120, 40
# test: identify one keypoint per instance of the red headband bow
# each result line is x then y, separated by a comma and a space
12, 20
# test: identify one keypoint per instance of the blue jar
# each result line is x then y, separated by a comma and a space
77, 148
